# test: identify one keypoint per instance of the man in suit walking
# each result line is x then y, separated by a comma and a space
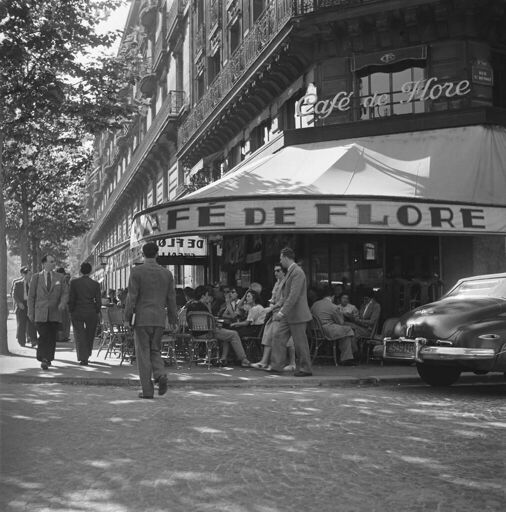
292, 317
84, 306
47, 298
151, 299
19, 293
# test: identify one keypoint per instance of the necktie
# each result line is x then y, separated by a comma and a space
49, 280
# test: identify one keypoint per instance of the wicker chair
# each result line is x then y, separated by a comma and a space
202, 327
318, 338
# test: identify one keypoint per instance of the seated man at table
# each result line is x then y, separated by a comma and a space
333, 326
202, 302
368, 316
230, 310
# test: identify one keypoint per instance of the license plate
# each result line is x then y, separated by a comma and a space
400, 349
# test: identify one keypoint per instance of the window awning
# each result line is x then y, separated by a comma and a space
447, 180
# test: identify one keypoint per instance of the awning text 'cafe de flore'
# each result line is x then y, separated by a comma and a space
404, 213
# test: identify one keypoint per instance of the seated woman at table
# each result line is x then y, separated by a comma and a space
256, 316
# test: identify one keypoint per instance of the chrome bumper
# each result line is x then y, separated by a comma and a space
455, 354
417, 350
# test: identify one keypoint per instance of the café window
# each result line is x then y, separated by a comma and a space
381, 92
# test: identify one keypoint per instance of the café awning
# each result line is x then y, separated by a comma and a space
448, 181
459, 164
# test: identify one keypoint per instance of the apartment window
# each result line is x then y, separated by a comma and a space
201, 86
234, 36
258, 8
388, 86
214, 65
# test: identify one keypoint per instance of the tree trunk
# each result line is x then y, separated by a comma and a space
23, 232
4, 308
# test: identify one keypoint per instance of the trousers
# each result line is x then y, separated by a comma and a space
148, 353
25, 328
280, 342
48, 331
84, 326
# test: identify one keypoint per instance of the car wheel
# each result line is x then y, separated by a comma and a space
438, 375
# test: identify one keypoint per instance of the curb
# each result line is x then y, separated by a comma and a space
260, 383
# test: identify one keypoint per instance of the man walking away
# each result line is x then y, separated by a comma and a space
292, 317
151, 297
84, 306
47, 298
19, 293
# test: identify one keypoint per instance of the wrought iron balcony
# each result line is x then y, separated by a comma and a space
269, 24
169, 111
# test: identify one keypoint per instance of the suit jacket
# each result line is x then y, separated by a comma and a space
370, 314
151, 295
84, 296
43, 303
18, 293
294, 296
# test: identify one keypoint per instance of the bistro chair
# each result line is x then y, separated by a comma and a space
318, 339
105, 330
202, 328
362, 341
253, 345
121, 342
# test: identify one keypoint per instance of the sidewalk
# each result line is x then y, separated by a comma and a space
22, 367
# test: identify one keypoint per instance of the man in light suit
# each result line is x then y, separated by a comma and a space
151, 298
292, 317
368, 316
84, 306
19, 293
47, 298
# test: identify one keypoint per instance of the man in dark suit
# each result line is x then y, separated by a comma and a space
152, 299
84, 306
368, 316
19, 293
293, 317
47, 298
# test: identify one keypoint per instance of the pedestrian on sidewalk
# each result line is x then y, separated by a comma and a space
19, 293
84, 306
47, 298
64, 330
292, 317
151, 298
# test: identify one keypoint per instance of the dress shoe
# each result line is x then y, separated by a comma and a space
44, 364
302, 374
83, 363
258, 366
245, 363
163, 385
289, 368
142, 395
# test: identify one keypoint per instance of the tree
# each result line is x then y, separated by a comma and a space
54, 94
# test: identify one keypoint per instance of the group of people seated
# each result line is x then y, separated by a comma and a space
241, 317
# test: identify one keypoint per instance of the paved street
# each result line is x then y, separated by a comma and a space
402, 448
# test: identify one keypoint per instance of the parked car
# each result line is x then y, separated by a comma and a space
463, 331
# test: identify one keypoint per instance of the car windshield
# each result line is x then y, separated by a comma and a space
486, 287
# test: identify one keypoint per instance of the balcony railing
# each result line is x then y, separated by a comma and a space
171, 108
268, 25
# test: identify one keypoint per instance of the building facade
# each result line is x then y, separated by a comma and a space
370, 135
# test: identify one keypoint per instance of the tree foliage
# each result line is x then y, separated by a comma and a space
55, 91
58, 88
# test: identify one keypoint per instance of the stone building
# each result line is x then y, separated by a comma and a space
370, 135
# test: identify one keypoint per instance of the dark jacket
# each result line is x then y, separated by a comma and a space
84, 296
